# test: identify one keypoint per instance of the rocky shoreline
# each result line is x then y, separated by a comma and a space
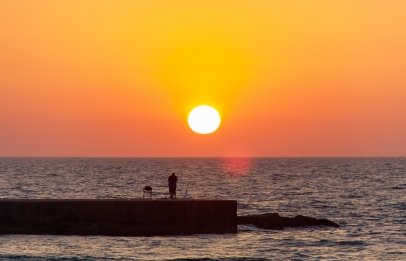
275, 221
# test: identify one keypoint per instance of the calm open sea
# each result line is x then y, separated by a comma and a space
366, 196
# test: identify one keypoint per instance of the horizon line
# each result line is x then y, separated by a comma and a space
163, 157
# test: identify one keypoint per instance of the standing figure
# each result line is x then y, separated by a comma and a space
172, 185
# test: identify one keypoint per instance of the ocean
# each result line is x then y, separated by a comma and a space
366, 196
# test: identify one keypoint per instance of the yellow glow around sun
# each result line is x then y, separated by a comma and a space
204, 119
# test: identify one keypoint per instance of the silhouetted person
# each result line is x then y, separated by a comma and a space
172, 185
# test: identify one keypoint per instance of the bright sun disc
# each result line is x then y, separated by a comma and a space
204, 119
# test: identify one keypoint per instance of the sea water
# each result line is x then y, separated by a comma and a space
366, 196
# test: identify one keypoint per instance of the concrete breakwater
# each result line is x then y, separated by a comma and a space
117, 217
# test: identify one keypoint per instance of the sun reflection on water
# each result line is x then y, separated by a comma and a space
236, 166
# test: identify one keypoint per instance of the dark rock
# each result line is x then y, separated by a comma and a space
267, 221
304, 221
275, 221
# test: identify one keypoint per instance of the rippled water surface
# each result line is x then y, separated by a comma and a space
366, 196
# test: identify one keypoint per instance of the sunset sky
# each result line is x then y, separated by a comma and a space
118, 78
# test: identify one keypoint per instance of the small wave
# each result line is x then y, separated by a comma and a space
244, 206
249, 228
351, 243
221, 259
401, 206
51, 258
399, 187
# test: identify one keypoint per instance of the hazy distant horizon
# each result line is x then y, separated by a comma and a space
163, 157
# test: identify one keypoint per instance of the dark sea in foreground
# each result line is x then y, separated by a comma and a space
366, 196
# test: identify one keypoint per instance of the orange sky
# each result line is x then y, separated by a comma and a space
118, 78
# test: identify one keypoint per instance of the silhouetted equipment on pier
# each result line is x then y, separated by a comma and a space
147, 191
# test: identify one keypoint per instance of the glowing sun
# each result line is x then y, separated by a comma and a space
204, 119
